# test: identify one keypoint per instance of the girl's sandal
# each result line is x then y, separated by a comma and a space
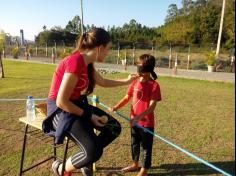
130, 169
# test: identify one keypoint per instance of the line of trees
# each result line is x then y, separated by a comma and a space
198, 22
195, 23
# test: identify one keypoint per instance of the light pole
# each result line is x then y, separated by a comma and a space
82, 18
220, 30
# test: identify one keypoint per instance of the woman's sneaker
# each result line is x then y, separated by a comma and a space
55, 167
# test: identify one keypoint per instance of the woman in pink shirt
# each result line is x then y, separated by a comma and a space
69, 113
145, 93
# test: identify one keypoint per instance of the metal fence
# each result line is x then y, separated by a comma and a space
167, 56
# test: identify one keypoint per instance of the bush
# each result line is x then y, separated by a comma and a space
210, 58
65, 53
30, 51
198, 65
15, 52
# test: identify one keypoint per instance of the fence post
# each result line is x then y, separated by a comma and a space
152, 48
53, 56
170, 56
26, 53
133, 53
4, 53
118, 53
176, 63
46, 49
232, 64
95, 104
36, 50
125, 59
188, 62
55, 52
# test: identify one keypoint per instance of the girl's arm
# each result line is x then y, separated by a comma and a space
149, 110
121, 103
113, 83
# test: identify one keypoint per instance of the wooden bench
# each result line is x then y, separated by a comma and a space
37, 126
37, 129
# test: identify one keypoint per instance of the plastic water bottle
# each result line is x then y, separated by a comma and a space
30, 109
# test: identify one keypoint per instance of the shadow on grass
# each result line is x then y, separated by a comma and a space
185, 169
195, 168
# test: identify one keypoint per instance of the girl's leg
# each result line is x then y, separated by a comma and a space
135, 148
135, 143
147, 143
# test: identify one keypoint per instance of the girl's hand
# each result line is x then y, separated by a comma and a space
136, 119
132, 77
97, 121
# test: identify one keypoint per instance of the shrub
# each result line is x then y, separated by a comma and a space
210, 58
15, 52
30, 51
65, 53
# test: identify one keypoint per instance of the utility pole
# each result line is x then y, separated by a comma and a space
220, 30
82, 18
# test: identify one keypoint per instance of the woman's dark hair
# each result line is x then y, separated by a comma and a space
89, 40
150, 61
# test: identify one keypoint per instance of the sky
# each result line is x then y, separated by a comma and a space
32, 15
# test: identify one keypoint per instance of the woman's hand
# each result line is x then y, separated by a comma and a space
132, 77
97, 121
112, 109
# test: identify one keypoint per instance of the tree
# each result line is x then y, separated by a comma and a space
73, 26
172, 13
44, 28
200, 3
2, 46
57, 28
229, 24
187, 5
1, 66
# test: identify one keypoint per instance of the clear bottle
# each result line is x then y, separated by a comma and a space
30, 109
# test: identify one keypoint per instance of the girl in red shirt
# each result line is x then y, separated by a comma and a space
69, 113
145, 93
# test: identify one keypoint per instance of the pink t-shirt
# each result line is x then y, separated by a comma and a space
143, 93
71, 64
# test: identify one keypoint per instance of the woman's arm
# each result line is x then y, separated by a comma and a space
68, 84
121, 103
113, 83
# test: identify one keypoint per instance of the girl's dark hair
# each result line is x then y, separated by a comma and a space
149, 60
89, 40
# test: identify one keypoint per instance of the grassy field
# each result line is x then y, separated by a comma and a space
196, 115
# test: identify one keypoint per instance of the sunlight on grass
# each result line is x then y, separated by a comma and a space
196, 115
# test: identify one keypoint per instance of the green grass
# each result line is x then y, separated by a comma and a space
196, 115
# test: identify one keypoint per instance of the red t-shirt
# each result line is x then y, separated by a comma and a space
71, 64
143, 93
